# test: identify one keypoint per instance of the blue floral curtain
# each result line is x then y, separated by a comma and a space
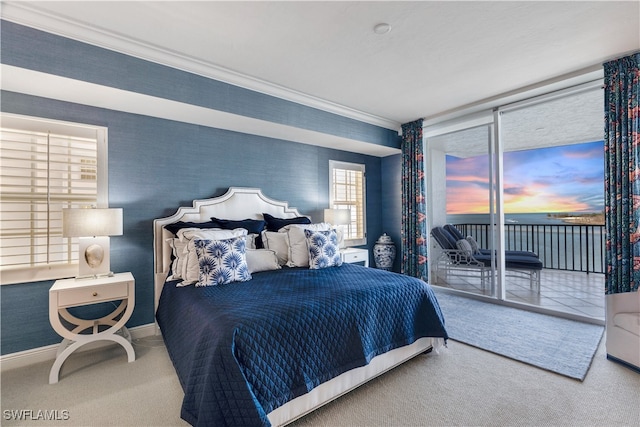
622, 173
414, 206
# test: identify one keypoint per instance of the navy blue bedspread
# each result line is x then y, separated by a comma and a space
244, 349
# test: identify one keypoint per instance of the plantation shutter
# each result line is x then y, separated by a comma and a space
348, 192
42, 172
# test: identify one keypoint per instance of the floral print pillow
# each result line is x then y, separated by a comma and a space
323, 249
222, 261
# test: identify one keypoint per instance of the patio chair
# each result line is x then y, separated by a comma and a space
458, 235
459, 258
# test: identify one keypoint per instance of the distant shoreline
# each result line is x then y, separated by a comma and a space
581, 219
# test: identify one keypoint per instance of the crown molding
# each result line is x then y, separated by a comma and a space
26, 14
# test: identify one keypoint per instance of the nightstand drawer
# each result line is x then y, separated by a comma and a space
93, 294
350, 257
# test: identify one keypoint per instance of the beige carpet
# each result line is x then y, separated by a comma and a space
460, 386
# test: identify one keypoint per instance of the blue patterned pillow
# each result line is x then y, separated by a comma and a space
222, 261
323, 249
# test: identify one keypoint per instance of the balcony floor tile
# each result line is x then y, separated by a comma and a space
563, 292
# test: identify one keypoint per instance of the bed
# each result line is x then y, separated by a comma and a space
269, 347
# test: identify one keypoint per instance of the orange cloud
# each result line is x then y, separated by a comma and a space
461, 201
528, 200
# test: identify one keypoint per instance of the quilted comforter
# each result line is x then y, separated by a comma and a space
243, 349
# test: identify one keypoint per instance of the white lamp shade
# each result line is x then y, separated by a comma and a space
337, 216
91, 222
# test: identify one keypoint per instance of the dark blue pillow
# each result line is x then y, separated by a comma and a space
253, 226
177, 226
275, 224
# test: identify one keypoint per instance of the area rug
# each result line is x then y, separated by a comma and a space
559, 345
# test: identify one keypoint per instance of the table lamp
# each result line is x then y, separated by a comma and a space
92, 226
339, 218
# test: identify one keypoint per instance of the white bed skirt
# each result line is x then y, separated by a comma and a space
330, 390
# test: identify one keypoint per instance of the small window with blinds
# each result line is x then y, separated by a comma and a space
347, 191
45, 166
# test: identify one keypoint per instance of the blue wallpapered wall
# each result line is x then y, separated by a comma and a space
156, 165
391, 200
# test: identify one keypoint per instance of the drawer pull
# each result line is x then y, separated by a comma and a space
95, 294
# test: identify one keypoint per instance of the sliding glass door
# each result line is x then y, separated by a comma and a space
461, 181
553, 165
525, 179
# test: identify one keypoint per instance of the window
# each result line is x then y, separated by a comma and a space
347, 191
45, 166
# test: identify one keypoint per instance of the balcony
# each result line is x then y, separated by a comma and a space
572, 280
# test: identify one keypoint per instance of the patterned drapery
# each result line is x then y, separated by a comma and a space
414, 205
622, 173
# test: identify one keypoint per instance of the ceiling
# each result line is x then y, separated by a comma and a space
438, 57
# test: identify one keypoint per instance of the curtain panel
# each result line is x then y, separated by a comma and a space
622, 174
414, 206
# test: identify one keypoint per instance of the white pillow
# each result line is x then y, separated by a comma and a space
251, 241
277, 242
209, 233
179, 257
191, 268
465, 247
298, 247
474, 244
261, 260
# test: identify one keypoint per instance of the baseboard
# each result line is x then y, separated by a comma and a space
42, 354
623, 363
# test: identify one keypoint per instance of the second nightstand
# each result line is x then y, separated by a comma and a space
355, 255
69, 293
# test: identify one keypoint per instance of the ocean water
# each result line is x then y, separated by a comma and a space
519, 218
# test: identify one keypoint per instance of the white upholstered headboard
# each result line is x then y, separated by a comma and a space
237, 203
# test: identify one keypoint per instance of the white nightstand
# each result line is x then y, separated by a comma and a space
353, 255
76, 292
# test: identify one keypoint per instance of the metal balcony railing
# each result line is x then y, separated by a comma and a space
572, 247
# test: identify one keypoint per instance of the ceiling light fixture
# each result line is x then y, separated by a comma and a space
382, 28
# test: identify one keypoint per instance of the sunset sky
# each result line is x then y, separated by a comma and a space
569, 178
